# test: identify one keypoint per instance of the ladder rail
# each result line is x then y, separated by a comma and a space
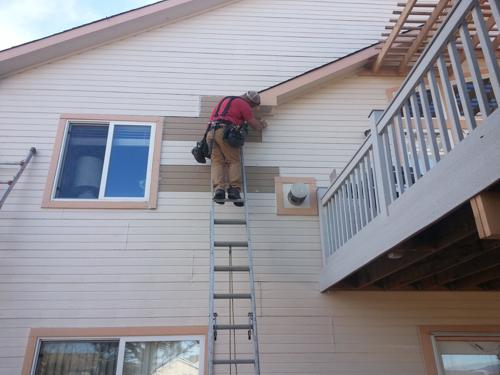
251, 279
231, 296
23, 164
211, 302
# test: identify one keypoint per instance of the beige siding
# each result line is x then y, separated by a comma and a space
94, 268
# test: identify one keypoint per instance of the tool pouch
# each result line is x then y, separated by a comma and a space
234, 136
202, 150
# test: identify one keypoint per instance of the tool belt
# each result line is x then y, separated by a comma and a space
233, 135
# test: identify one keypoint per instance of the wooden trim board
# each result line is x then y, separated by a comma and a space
486, 209
196, 178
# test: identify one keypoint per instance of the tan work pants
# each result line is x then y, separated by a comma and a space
223, 154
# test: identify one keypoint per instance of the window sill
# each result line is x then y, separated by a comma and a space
100, 204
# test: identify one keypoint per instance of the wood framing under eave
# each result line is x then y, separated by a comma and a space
394, 33
486, 208
423, 33
294, 87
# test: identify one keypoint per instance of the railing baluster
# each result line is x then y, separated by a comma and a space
328, 231
397, 169
461, 85
350, 214
475, 71
380, 164
361, 201
450, 100
345, 206
428, 121
355, 214
488, 52
331, 226
406, 162
389, 165
335, 239
366, 183
371, 183
438, 108
358, 197
340, 221
495, 11
412, 141
350, 201
327, 234
420, 133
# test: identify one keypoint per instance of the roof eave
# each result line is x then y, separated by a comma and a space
297, 86
100, 32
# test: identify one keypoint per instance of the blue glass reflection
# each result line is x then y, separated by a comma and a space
128, 161
82, 162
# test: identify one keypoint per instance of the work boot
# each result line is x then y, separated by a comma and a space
219, 196
233, 193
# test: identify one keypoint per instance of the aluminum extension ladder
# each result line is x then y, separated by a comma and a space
22, 166
232, 326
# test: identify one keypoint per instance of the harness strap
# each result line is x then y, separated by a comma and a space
226, 108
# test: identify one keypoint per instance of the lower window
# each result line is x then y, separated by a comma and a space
120, 356
475, 355
474, 351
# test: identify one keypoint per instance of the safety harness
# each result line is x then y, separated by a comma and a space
234, 135
218, 120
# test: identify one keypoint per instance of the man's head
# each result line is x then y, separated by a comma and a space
252, 97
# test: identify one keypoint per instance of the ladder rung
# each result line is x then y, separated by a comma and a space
231, 243
231, 268
232, 326
6, 182
229, 200
234, 361
232, 296
12, 162
229, 222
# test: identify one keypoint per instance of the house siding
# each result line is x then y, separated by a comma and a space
131, 268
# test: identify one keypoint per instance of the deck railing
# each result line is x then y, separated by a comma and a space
451, 89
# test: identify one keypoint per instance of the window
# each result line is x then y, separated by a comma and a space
488, 90
105, 161
465, 352
469, 356
167, 355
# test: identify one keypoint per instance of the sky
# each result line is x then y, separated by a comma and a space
22, 21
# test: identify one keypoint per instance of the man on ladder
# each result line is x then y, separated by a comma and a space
226, 137
225, 134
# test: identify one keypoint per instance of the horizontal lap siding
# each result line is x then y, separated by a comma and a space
247, 45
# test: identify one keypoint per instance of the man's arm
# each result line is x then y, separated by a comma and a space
257, 124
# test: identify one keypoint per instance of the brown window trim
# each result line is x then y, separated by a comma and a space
48, 202
449, 333
40, 333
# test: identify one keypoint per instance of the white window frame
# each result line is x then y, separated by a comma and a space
122, 340
105, 169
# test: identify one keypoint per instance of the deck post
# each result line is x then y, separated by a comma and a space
379, 162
